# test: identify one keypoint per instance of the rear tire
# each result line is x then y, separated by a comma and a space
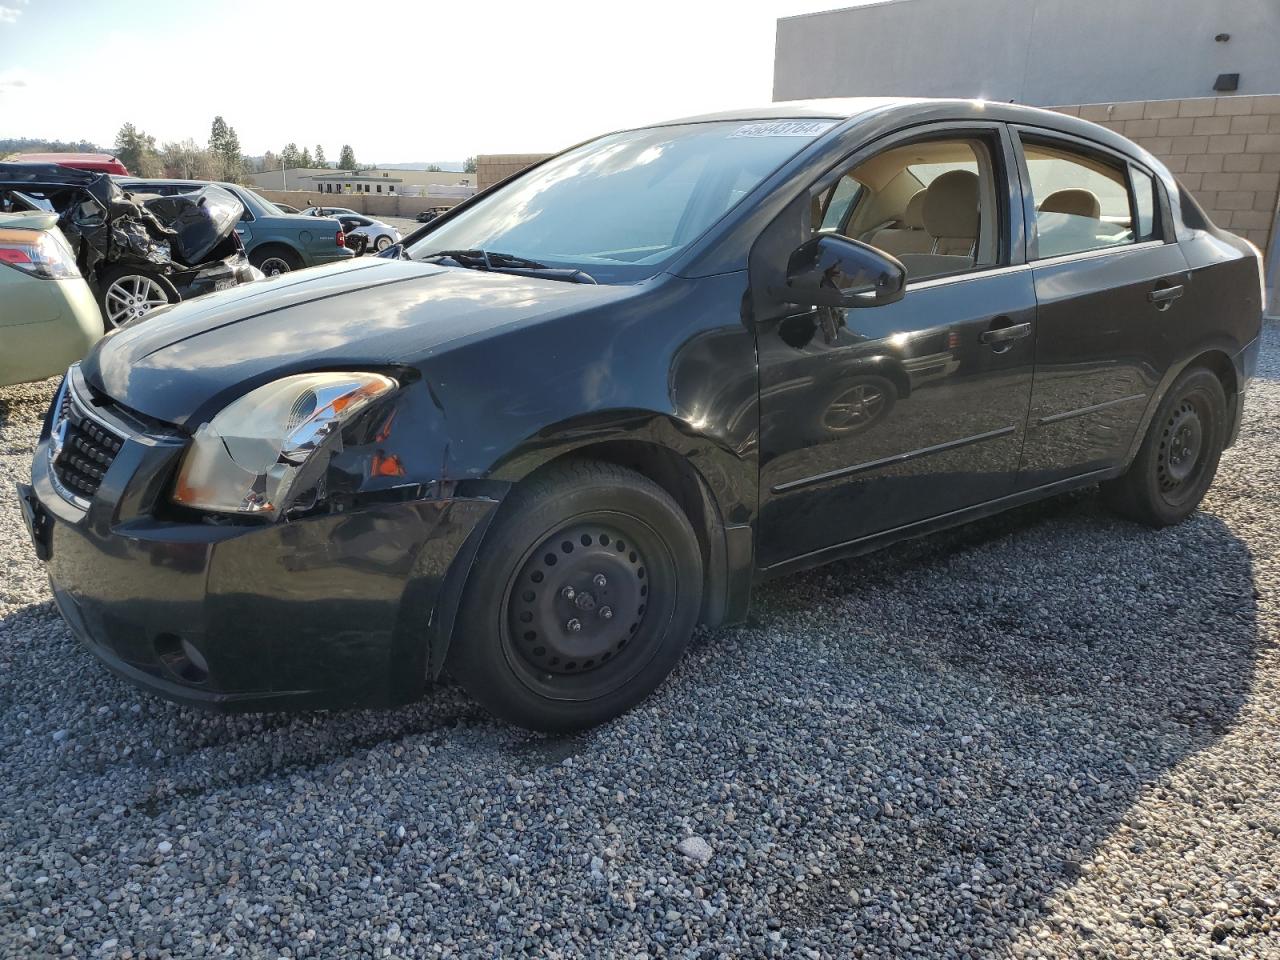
1179, 455
127, 294
582, 600
275, 260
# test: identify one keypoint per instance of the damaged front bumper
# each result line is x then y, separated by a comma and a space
329, 610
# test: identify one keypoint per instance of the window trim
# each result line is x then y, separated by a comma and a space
1011, 246
1071, 142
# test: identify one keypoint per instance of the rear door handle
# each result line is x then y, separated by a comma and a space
1003, 335
1163, 297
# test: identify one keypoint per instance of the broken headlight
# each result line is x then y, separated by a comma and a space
274, 443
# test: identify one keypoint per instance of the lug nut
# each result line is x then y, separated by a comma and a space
606, 613
599, 580
568, 593
574, 625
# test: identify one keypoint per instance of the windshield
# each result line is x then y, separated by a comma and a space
620, 206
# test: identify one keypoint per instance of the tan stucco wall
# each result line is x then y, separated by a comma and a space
375, 205
1224, 150
492, 167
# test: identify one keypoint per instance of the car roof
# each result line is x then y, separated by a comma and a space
101, 162
850, 111
179, 180
830, 108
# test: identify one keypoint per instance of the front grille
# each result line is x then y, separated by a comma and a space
81, 448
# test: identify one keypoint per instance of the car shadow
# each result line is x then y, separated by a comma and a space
1028, 679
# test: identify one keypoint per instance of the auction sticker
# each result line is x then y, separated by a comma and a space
784, 128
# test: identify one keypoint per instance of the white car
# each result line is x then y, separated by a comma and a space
328, 212
380, 235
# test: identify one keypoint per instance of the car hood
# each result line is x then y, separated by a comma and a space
183, 364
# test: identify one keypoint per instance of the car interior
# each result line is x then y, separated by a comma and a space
1082, 203
931, 204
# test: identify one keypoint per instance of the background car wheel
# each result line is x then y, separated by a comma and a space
126, 294
584, 595
274, 261
382, 243
858, 404
1179, 455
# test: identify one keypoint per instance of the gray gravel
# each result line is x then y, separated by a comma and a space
1050, 734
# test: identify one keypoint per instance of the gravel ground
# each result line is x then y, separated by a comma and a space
1049, 734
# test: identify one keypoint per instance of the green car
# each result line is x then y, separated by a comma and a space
275, 241
49, 317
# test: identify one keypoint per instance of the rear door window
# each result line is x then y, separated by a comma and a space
1082, 200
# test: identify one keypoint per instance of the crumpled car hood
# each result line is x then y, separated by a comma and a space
185, 363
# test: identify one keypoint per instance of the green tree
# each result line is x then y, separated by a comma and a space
319, 157
290, 156
224, 145
347, 159
305, 159
137, 151
434, 168
469, 165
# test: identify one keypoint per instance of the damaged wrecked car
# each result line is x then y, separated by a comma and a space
544, 437
138, 252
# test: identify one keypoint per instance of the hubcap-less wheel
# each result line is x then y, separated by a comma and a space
586, 605
1182, 454
132, 298
856, 407
274, 266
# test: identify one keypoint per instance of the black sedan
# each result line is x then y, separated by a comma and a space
558, 427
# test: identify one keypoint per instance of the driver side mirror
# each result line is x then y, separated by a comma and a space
834, 271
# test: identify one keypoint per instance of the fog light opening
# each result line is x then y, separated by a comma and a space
180, 657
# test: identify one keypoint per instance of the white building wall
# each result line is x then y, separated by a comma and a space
1043, 52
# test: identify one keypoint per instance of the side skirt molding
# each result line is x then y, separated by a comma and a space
922, 528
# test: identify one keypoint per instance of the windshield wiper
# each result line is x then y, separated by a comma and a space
508, 263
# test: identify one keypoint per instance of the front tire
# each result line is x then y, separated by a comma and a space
582, 600
1179, 455
382, 243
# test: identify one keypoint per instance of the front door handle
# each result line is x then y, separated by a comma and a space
1163, 297
1003, 336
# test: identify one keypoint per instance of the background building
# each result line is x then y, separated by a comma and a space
1197, 83
410, 183
1042, 52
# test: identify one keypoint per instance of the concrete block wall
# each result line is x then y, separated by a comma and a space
1224, 150
370, 204
493, 167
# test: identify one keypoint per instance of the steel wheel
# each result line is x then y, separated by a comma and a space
586, 604
1179, 454
131, 297
1183, 454
583, 595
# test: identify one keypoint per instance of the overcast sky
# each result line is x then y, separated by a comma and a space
399, 80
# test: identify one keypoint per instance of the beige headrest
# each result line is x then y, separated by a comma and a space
1075, 201
951, 206
913, 216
